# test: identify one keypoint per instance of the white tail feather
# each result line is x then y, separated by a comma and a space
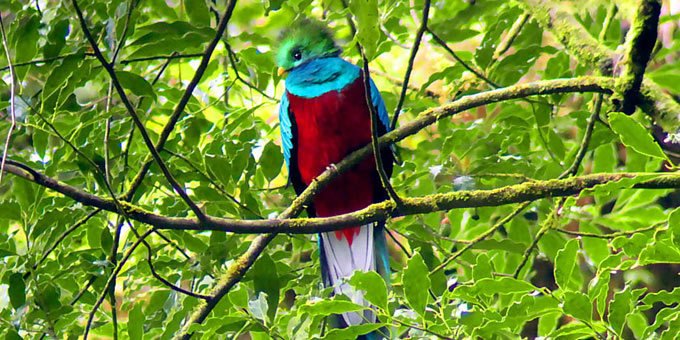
343, 259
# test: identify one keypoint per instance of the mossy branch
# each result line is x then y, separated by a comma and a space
517, 193
640, 42
588, 51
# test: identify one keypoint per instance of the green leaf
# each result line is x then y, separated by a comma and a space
598, 290
674, 226
566, 264
668, 298
417, 283
17, 290
271, 161
578, 305
329, 307
266, 280
374, 287
547, 323
136, 84
368, 25
12, 334
10, 210
488, 287
635, 136
198, 12
239, 296
621, 305
637, 323
106, 240
353, 332
136, 323
482, 268
259, 307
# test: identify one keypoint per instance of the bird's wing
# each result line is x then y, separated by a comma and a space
288, 141
286, 126
379, 104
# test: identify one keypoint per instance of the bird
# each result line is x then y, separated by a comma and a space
323, 117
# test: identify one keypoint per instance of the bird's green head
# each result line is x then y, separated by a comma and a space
305, 40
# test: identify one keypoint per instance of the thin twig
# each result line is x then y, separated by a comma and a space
12, 86
149, 261
513, 32
587, 135
44, 60
123, 36
116, 270
411, 60
232, 60
455, 56
61, 238
611, 12
163, 57
611, 235
482, 237
377, 154
422, 329
394, 238
548, 224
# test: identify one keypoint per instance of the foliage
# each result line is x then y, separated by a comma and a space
596, 264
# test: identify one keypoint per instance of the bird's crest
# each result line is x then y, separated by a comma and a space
304, 40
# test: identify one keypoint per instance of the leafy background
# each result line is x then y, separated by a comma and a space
605, 263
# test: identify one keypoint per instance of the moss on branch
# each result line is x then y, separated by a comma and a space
640, 42
585, 48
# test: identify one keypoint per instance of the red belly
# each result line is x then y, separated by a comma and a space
330, 127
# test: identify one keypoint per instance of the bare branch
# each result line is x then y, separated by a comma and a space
409, 66
455, 56
12, 88
379, 166
611, 235
587, 135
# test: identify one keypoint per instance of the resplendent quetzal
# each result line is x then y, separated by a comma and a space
324, 116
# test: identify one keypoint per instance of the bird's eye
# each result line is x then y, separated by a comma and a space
297, 55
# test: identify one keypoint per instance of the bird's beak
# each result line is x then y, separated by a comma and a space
281, 71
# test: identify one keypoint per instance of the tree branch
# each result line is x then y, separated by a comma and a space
640, 42
409, 66
516, 193
131, 111
12, 88
611, 236
428, 117
653, 101
513, 32
188, 93
375, 148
